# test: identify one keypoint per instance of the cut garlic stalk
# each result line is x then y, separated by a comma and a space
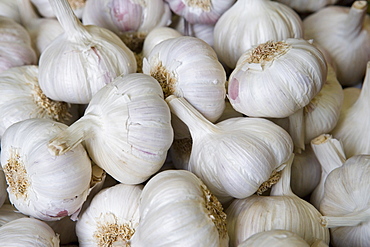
40, 184
126, 129
177, 209
257, 148
81, 60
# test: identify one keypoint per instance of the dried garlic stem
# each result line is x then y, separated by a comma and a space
355, 19
353, 219
205, 5
282, 187
297, 130
69, 138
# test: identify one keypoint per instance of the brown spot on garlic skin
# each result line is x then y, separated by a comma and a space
109, 233
16, 175
215, 211
274, 178
205, 5
57, 110
167, 82
77, 4
268, 51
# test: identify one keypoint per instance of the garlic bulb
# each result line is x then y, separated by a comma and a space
131, 20
156, 36
345, 204
353, 122
276, 238
111, 218
344, 32
257, 150
177, 209
42, 30
280, 210
126, 129
45, 9
252, 22
188, 67
21, 98
82, 60
28, 232
9, 213
40, 184
307, 6
9, 8
15, 45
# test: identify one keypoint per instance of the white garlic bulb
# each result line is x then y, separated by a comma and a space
42, 30
344, 32
200, 12
9, 8
45, 9
346, 203
111, 218
353, 122
9, 213
126, 129
256, 151
40, 184
280, 210
28, 232
82, 60
177, 209
15, 45
131, 20
307, 6
252, 22
21, 98
188, 67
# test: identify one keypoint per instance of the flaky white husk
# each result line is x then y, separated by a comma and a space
177, 210
21, 98
81, 60
248, 150
15, 45
353, 122
113, 212
307, 6
156, 36
40, 184
346, 203
276, 238
28, 232
200, 12
126, 129
281, 85
344, 32
45, 9
251, 22
280, 210
127, 17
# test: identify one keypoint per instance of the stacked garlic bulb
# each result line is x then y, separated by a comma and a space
344, 32
9, 8
130, 20
177, 209
255, 151
126, 129
307, 6
28, 232
9, 213
346, 204
280, 210
353, 122
111, 218
82, 60
40, 184
156, 36
251, 22
45, 9
21, 98
15, 45
200, 12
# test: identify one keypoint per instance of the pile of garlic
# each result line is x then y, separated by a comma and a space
184, 123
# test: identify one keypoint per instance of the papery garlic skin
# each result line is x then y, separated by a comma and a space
40, 184
131, 20
9, 213
82, 60
177, 209
9, 9
28, 232
345, 35
275, 79
251, 22
22, 98
111, 218
307, 6
15, 45
156, 36
45, 9
200, 12
126, 129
